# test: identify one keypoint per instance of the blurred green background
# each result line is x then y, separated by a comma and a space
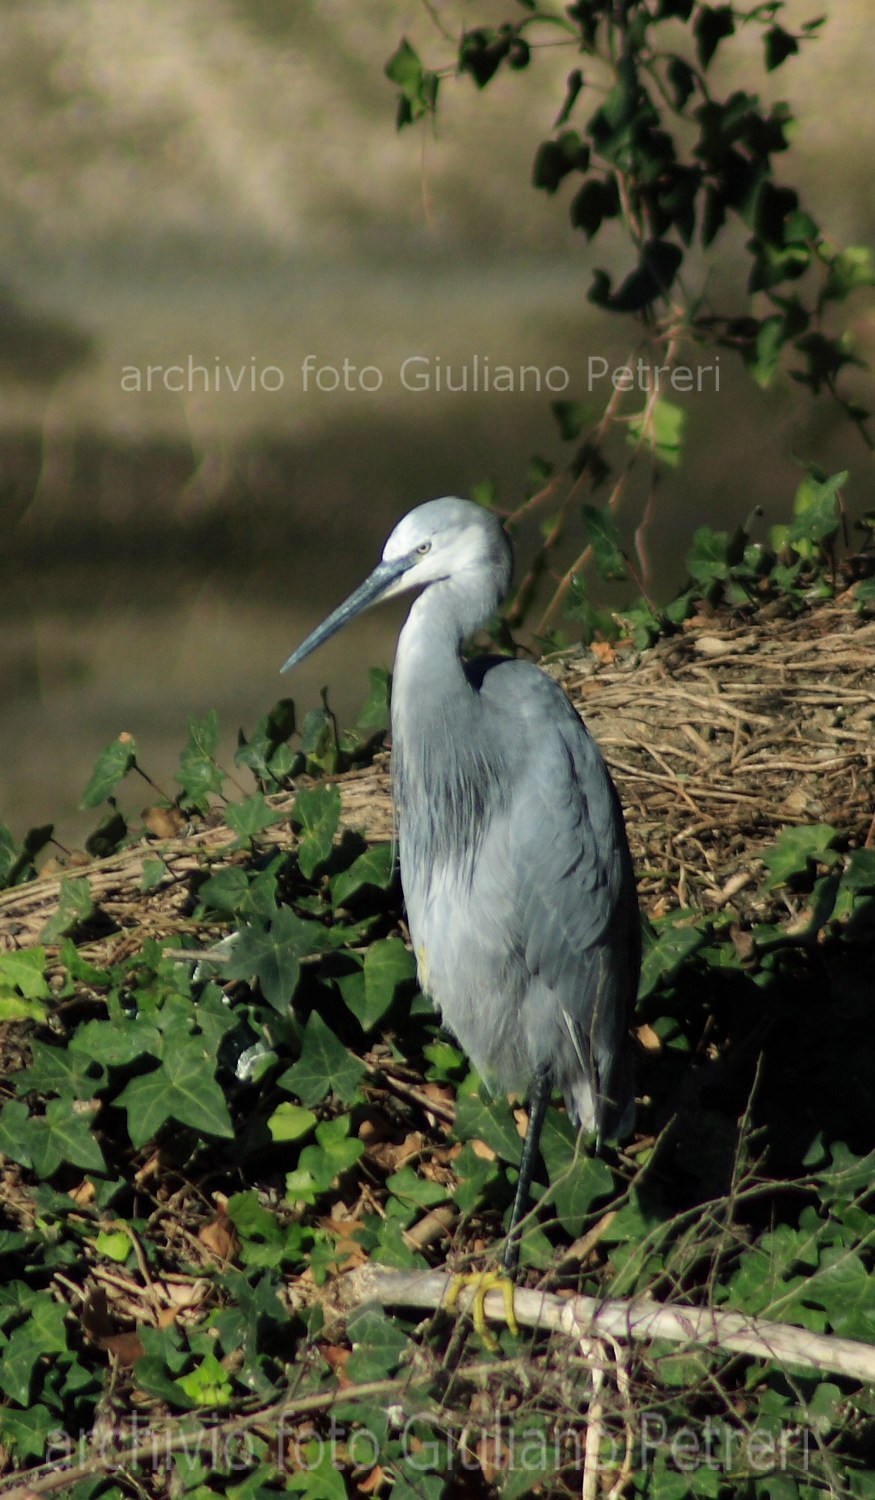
220, 182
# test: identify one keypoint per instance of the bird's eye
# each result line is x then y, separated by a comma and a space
423, 548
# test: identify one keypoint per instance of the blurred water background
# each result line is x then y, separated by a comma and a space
217, 185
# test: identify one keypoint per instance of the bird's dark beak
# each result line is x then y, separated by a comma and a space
380, 585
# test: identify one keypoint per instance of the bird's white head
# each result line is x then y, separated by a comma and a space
442, 540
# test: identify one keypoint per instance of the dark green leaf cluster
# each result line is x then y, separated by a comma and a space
645, 139
796, 566
266, 754
631, 165
261, 1065
260, 1070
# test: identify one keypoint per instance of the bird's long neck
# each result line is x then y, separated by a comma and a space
429, 674
434, 705
439, 779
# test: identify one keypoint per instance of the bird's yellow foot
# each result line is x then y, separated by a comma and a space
483, 1282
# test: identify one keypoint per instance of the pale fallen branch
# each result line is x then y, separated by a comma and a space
587, 1318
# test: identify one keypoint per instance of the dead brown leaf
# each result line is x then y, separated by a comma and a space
648, 1038
220, 1237
163, 822
83, 1193
372, 1483
127, 1348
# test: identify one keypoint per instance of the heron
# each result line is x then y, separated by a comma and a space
515, 865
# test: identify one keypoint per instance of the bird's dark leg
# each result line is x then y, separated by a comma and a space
539, 1098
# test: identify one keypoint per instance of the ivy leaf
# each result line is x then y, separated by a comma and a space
251, 817
226, 890
664, 958
659, 263
17, 865
251, 1219
843, 1286
15, 1008
8, 854
796, 849
266, 753
418, 85
555, 159
577, 1181
369, 991
864, 595
324, 1066
28, 1432
770, 340
574, 85
290, 1122
61, 1070
319, 1478
78, 967
15, 1132
61, 1135
24, 970
713, 24
379, 1345
816, 508
604, 538
274, 954
682, 81
319, 740
118, 1043
489, 1121
404, 68
198, 773
374, 715
779, 45
75, 907
43, 1334
713, 555
114, 1245
596, 201
317, 813
415, 1191
848, 269
110, 768
335, 1152
154, 872
388, 965
107, 836
376, 868
183, 1088
662, 429
208, 1384
860, 873
163, 1358
474, 1175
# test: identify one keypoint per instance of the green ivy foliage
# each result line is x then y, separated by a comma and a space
252, 1057
648, 138
654, 145
250, 1066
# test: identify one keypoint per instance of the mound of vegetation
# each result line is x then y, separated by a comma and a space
231, 1121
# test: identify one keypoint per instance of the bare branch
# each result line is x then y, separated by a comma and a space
640, 1319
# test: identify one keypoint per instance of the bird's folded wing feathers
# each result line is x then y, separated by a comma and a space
567, 842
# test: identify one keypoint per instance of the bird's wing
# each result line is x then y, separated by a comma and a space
572, 877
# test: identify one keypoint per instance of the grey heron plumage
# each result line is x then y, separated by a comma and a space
515, 866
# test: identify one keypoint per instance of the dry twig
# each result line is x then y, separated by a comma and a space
589, 1319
